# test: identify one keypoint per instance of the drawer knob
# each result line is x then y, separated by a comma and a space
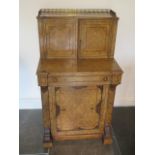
105, 78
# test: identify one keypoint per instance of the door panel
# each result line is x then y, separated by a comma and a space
94, 38
60, 38
77, 110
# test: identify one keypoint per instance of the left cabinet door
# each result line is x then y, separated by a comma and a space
59, 37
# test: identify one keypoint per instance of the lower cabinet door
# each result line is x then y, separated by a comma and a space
77, 110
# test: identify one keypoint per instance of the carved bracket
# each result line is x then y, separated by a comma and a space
116, 78
42, 79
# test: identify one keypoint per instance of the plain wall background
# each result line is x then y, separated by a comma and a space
29, 46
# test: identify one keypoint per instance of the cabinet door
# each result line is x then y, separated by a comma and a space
60, 38
94, 38
77, 110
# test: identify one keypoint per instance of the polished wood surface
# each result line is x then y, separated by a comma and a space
77, 108
75, 34
95, 38
60, 38
71, 66
77, 73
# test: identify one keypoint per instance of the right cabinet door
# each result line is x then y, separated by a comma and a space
94, 38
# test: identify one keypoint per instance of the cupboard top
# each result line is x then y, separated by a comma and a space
105, 13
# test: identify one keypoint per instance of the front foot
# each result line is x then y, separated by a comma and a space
107, 137
47, 139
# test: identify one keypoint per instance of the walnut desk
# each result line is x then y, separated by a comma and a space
77, 73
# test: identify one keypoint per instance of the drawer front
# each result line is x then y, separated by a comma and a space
68, 79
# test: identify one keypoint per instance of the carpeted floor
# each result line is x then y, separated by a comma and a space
123, 125
124, 128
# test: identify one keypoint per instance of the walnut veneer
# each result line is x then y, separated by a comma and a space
77, 73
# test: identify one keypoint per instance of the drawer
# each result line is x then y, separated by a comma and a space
65, 79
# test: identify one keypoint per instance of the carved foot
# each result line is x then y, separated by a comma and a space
107, 137
47, 139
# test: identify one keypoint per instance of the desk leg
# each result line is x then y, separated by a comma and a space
107, 137
47, 138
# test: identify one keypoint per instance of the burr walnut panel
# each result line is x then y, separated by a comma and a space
77, 108
60, 38
94, 38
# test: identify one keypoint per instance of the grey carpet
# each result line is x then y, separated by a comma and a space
30, 137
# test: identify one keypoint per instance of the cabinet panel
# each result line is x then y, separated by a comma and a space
60, 38
78, 110
77, 107
94, 38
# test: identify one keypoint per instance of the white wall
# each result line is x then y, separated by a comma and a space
29, 46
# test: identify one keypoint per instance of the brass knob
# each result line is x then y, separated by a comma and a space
105, 78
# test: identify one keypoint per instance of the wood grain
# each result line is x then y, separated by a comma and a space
77, 73
77, 108
45, 107
69, 36
89, 30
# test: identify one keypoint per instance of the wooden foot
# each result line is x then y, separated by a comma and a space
47, 139
107, 137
